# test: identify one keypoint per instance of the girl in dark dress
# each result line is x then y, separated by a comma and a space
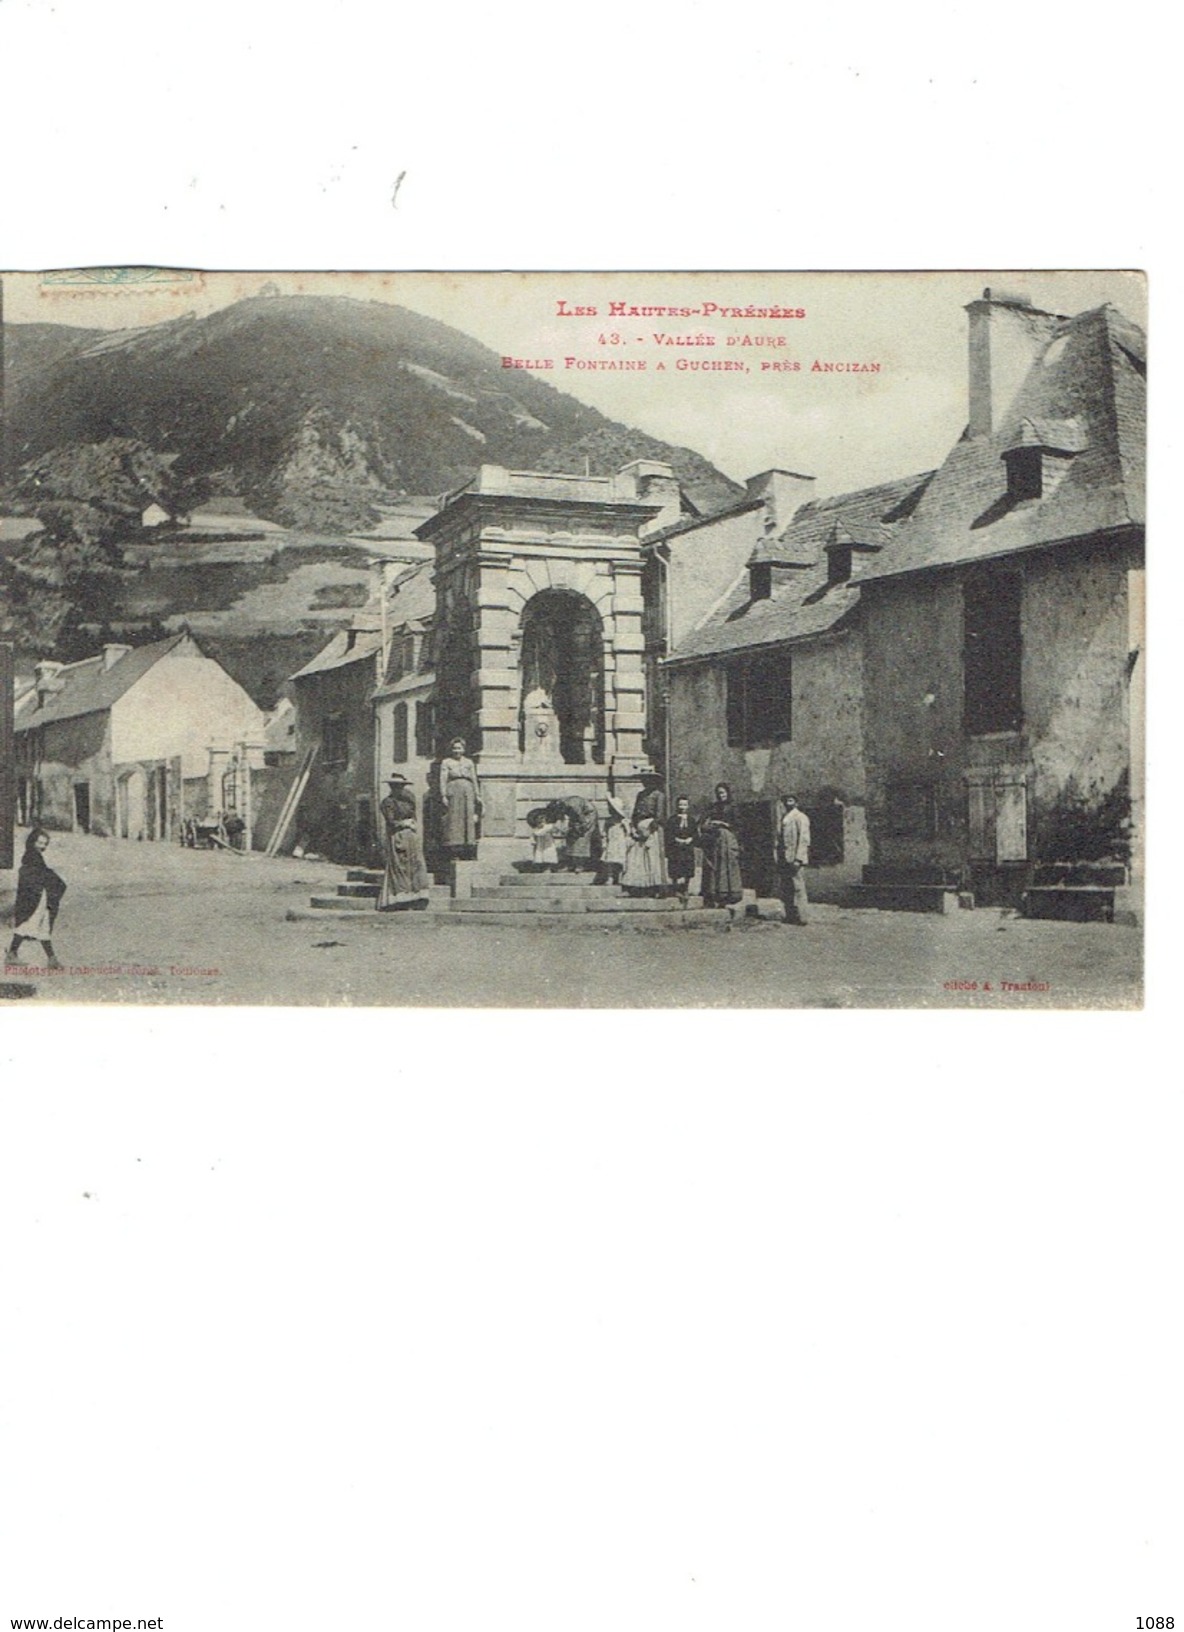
722, 885
682, 835
39, 892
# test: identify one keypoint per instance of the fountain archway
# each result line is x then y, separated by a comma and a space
561, 659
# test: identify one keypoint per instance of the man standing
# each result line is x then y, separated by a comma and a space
793, 856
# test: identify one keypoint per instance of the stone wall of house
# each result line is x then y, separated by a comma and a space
336, 816
1072, 754
420, 769
71, 752
179, 706
704, 564
822, 764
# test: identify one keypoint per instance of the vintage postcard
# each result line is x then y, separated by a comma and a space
643, 639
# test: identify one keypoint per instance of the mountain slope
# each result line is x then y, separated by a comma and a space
312, 408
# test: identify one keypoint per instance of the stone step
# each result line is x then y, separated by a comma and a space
906, 875
344, 903
519, 906
1107, 875
498, 918
543, 891
340, 910
366, 892
564, 880
1076, 903
522, 902
905, 897
364, 875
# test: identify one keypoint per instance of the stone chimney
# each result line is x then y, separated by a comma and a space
112, 653
655, 483
1007, 335
784, 492
46, 673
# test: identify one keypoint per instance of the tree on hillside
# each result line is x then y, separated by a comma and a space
89, 500
94, 493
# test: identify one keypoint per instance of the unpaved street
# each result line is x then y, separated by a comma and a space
158, 924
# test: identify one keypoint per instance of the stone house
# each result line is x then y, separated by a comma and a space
946, 669
335, 723
404, 714
119, 744
764, 690
1003, 632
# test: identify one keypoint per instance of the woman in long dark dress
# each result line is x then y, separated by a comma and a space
682, 835
39, 892
405, 883
722, 885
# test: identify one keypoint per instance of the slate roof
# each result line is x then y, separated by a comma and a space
1084, 398
347, 646
801, 603
1086, 390
411, 598
89, 688
687, 524
412, 595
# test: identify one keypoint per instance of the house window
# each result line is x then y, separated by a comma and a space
760, 580
992, 651
334, 742
425, 730
759, 700
1025, 473
399, 750
826, 833
838, 563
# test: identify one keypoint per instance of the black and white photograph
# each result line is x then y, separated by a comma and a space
556, 639
587, 792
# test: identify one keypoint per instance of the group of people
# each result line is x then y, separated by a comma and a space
406, 882
654, 851
641, 847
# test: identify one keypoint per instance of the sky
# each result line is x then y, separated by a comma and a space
846, 428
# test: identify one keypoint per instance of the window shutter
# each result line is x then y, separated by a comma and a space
1011, 821
735, 682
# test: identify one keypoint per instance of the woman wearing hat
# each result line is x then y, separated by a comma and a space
405, 883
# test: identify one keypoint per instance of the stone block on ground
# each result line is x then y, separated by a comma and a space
460, 879
1128, 905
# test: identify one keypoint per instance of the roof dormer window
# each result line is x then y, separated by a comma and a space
760, 580
838, 563
1025, 473
1038, 455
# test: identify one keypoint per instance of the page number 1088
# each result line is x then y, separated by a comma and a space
1155, 1623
